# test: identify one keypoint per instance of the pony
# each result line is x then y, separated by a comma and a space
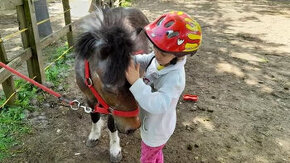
108, 42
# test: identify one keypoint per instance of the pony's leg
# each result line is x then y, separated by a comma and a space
95, 133
115, 148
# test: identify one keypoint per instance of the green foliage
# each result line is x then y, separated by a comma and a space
12, 123
12, 118
25, 92
127, 3
53, 73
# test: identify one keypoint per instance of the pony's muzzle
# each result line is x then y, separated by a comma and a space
127, 125
129, 132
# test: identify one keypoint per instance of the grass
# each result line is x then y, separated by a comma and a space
12, 118
12, 124
127, 3
54, 72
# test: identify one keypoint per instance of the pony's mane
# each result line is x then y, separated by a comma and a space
105, 35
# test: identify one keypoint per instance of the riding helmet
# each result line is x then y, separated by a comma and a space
175, 32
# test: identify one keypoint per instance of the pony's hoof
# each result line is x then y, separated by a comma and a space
91, 143
117, 158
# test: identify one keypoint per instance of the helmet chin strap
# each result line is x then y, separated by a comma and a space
173, 61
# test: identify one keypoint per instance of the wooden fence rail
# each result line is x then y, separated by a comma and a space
32, 44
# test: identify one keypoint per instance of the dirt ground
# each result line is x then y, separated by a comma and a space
242, 78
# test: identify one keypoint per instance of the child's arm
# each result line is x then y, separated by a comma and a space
159, 101
143, 59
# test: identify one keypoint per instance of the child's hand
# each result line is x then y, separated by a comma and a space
132, 73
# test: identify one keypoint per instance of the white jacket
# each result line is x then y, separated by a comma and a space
158, 99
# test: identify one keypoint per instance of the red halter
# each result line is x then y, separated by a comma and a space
105, 108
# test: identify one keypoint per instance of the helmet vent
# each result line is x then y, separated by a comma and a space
171, 33
168, 24
159, 22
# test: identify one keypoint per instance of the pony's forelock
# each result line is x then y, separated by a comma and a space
94, 22
121, 46
108, 29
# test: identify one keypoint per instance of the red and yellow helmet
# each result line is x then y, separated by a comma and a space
175, 32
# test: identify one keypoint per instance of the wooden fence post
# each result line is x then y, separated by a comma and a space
35, 63
8, 84
22, 24
67, 19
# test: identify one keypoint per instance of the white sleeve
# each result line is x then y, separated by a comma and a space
143, 59
157, 102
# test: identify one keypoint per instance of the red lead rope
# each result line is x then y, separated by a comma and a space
30, 80
105, 109
44, 88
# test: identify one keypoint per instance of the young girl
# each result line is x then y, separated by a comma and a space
174, 35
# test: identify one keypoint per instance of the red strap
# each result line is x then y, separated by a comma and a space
126, 113
96, 94
87, 69
117, 112
105, 109
30, 80
87, 72
99, 98
101, 110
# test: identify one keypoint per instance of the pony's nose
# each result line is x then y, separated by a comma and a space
130, 131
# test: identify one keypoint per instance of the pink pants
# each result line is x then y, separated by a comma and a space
151, 154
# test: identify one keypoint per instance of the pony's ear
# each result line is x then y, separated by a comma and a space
136, 33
